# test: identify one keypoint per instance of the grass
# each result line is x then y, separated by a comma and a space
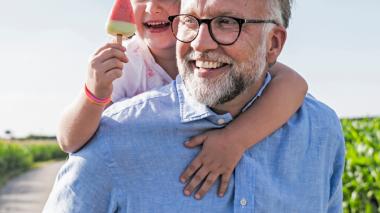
19, 156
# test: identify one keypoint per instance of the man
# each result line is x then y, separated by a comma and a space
133, 162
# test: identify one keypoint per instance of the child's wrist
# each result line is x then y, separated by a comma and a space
94, 99
235, 136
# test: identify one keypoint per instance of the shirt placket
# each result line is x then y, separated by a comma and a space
244, 186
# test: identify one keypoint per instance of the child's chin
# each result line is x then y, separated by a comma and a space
161, 43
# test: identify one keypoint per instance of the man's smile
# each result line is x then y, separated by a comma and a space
208, 64
208, 68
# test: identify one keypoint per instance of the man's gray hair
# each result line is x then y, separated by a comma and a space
280, 10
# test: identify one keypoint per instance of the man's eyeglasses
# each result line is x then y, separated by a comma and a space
224, 30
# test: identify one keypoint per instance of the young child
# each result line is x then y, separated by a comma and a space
149, 62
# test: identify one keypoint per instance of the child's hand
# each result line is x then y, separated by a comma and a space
105, 66
218, 157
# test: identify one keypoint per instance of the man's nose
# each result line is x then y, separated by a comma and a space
153, 7
203, 41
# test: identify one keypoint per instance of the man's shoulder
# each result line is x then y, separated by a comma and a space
315, 121
318, 112
161, 96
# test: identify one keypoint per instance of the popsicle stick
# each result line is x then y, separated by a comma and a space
119, 39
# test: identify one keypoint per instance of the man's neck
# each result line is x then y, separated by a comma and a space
167, 60
235, 106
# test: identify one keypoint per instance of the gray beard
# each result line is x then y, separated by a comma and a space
229, 85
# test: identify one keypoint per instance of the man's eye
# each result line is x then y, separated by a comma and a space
226, 21
188, 20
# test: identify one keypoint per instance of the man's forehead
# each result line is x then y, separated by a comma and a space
213, 8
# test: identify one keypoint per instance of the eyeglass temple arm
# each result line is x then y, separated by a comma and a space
259, 21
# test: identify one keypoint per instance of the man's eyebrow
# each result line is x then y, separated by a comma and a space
212, 14
229, 13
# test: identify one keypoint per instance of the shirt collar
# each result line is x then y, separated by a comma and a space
191, 109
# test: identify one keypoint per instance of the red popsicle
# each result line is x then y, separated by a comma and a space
121, 22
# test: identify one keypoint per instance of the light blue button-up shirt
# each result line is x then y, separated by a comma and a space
134, 161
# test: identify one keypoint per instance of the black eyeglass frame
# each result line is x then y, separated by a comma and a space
240, 21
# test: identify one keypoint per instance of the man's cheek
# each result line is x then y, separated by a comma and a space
182, 52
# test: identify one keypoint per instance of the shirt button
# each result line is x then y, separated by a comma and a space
221, 121
243, 202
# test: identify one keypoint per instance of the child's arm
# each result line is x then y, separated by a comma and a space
223, 148
80, 121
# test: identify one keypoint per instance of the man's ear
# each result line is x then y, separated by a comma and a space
276, 41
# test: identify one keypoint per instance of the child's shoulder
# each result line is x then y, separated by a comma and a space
136, 52
135, 46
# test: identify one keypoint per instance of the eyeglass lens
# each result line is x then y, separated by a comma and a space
224, 30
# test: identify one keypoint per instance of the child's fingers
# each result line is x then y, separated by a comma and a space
111, 45
191, 169
224, 184
196, 180
113, 74
112, 63
196, 141
112, 53
210, 180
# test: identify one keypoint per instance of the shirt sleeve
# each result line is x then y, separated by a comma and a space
83, 184
336, 191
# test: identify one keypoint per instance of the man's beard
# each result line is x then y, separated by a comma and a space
228, 85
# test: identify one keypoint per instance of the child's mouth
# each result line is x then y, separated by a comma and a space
157, 25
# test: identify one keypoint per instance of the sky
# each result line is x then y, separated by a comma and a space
45, 46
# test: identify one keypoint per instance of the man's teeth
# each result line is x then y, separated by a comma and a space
208, 64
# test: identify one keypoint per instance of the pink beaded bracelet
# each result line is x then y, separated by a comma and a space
93, 99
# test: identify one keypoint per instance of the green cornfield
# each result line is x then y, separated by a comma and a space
361, 179
19, 156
